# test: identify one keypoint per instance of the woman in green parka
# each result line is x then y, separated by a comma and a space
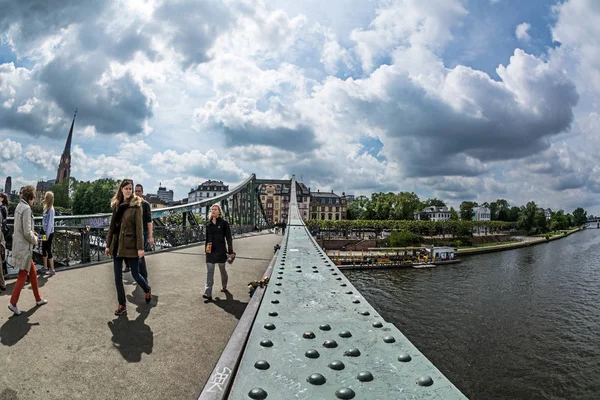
125, 240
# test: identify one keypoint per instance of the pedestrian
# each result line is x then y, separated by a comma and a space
283, 226
5, 231
125, 240
219, 245
148, 231
24, 240
48, 233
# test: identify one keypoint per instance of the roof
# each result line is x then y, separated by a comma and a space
324, 194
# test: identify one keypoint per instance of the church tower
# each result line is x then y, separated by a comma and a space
64, 168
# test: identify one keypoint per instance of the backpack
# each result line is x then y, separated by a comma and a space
5, 228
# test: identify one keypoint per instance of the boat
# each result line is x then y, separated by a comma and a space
394, 257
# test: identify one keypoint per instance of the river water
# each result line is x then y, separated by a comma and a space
518, 324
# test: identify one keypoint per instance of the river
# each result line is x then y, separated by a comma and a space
518, 324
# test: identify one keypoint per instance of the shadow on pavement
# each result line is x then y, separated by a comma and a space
134, 337
231, 305
16, 327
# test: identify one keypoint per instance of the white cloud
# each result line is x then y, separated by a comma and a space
42, 158
522, 32
103, 166
198, 164
129, 150
10, 150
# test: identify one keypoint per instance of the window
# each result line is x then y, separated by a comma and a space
262, 198
337, 216
276, 206
337, 209
214, 195
322, 215
269, 205
330, 216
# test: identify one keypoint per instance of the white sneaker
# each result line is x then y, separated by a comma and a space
14, 309
41, 302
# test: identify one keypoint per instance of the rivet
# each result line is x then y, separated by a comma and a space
337, 365
425, 381
282, 264
330, 344
404, 357
352, 353
389, 339
261, 364
298, 270
275, 301
356, 301
278, 284
273, 314
280, 272
316, 271
377, 324
365, 376
335, 273
260, 394
338, 279
281, 267
266, 343
345, 334
343, 285
345, 393
312, 353
332, 269
365, 313
308, 335
325, 327
316, 379
314, 267
277, 291
269, 326
280, 277
349, 292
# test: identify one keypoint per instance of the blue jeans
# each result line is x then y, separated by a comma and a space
135, 272
142, 261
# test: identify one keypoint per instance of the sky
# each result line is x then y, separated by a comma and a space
470, 100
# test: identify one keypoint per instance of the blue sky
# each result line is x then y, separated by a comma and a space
455, 99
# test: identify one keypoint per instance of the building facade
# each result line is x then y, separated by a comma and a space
164, 194
327, 206
206, 190
482, 214
433, 213
303, 199
275, 199
155, 201
41, 188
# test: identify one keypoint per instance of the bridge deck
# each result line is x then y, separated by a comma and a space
75, 347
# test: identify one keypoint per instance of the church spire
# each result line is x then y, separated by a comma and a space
64, 168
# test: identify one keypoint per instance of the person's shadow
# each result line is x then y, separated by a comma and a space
16, 327
134, 337
231, 305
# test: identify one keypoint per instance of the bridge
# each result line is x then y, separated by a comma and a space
308, 334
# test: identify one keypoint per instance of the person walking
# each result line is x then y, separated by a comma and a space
148, 231
48, 233
24, 240
283, 226
4, 230
219, 245
125, 240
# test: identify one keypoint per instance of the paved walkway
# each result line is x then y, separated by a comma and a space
75, 348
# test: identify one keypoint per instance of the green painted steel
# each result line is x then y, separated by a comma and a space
316, 337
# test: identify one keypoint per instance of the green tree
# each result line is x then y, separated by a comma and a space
541, 223
453, 214
94, 197
527, 217
513, 214
360, 208
579, 216
61, 193
466, 210
433, 202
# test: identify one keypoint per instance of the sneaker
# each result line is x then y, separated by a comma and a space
14, 309
127, 269
42, 271
224, 290
51, 272
121, 310
207, 297
41, 302
148, 297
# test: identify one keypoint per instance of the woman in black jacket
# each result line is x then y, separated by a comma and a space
218, 247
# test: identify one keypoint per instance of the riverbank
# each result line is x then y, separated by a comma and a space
509, 246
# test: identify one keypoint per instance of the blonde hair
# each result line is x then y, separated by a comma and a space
220, 209
48, 200
118, 197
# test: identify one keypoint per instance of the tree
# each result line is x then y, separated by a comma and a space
513, 214
466, 210
579, 216
527, 218
359, 208
61, 194
453, 214
94, 197
433, 202
541, 223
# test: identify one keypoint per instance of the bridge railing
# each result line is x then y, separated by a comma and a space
80, 239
